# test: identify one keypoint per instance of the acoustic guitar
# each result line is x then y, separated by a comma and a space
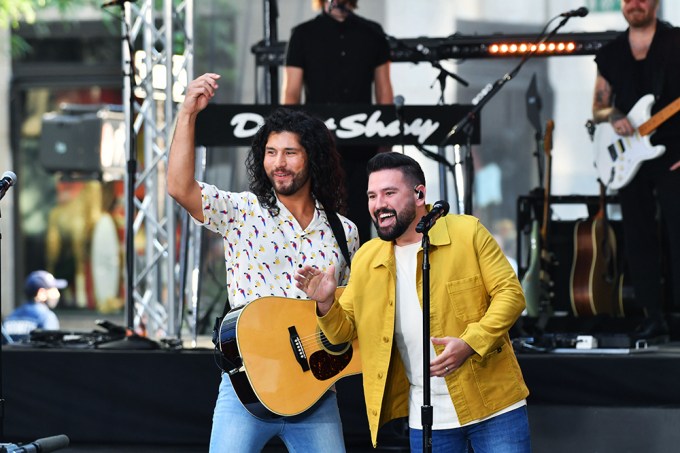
279, 361
536, 281
593, 285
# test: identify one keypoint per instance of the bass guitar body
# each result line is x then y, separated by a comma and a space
280, 363
531, 281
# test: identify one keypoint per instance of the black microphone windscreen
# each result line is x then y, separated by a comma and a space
10, 175
443, 205
582, 11
52, 443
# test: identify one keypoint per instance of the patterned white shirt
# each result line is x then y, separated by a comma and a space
262, 252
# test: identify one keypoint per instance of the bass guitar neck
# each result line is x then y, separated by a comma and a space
536, 282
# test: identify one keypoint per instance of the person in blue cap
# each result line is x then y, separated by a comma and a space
42, 295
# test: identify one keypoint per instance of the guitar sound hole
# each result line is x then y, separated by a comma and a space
331, 348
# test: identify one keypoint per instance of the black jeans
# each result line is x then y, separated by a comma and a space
652, 196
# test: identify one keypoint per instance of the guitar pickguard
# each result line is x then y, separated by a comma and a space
331, 360
325, 366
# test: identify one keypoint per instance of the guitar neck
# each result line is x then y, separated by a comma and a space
546, 200
547, 148
602, 211
659, 118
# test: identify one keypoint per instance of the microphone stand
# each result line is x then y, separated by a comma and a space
271, 76
466, 124
131, 340
426, 412
130, 186
443, 74
441, 78
2, 396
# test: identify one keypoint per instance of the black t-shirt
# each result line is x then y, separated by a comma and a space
657, 74
338, 58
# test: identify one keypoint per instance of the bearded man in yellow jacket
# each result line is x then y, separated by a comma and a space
478, 394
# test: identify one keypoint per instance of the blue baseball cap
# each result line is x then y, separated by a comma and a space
42, 279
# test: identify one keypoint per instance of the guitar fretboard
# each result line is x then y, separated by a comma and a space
659, 118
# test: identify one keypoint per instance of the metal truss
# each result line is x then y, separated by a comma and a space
159, 53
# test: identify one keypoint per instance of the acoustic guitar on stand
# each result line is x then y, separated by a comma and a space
593, 280
618, 158
536, 281
278, 359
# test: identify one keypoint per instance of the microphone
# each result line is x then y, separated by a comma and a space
399, 110
580, 12
399, 105
116, 3
439, 209
44, 445
7, 181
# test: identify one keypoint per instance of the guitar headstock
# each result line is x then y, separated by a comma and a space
547, 137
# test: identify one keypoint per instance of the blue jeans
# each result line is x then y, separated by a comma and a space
506, 433
237, 430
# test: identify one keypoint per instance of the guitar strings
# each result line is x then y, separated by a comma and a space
314, 340
310, 339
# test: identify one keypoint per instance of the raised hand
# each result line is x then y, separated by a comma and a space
319, 286
199, 92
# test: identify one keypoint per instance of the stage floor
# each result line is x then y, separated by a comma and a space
148, 401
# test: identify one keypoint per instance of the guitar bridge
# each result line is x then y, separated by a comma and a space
298, 348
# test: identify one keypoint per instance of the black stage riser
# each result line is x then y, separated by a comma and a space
167, 398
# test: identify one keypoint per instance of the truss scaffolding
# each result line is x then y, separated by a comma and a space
159, 53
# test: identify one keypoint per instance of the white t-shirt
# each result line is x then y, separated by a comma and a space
408, 334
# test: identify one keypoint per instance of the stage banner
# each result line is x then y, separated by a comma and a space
358, 124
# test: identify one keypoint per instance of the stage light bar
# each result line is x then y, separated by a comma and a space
465, 47
551, 48
499, 46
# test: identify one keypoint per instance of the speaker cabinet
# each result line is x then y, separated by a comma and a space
84, 143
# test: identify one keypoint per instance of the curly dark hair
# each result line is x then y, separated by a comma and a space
325, 169
408, 166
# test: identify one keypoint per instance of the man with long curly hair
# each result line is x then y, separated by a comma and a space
339, 57
281, 224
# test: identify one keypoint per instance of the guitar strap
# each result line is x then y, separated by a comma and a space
339, 233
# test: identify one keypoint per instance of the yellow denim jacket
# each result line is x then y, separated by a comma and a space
474, 295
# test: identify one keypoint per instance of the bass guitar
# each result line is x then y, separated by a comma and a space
618, 158
593, 285
279, 361
536, 281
